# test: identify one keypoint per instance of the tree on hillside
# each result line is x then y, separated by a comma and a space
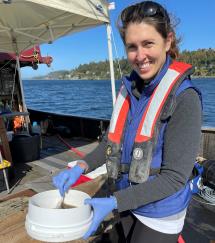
202, 59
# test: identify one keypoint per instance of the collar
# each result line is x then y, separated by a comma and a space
134, 81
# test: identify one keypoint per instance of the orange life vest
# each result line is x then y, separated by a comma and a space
148, 129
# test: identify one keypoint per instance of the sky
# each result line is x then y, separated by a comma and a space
196, 28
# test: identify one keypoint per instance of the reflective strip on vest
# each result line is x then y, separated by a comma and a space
153, 109
119, 116
157, 100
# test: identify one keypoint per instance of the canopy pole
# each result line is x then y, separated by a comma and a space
110, 54
22, 91
20, 83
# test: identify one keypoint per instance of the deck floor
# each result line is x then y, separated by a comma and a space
36, 176
54, 156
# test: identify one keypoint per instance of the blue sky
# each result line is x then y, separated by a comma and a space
196, 28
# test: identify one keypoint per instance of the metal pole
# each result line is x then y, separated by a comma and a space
22, 91
6, 180
110, 54
21, 85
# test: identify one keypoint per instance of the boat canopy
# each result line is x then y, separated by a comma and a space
25, 23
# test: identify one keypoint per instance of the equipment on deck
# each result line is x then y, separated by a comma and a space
3, 165
207, 192
209, 173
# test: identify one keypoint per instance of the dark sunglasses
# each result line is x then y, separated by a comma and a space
145, 9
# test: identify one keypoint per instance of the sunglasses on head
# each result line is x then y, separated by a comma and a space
146, 9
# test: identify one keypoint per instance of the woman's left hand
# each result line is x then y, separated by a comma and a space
101, 207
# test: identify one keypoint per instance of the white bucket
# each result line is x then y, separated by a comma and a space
45, 222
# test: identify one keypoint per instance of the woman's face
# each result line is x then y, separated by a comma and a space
146, 49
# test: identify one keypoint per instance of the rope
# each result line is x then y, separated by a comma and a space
76, 151
6, 63
13, 90
208, 194
117, 56
35, 55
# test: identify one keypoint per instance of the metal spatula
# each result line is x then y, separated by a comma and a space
63, 205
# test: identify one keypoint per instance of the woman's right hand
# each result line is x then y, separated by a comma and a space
67, 178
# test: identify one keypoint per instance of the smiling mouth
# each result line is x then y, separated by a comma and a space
143, 66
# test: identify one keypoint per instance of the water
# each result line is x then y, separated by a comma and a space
92, 98
207, 87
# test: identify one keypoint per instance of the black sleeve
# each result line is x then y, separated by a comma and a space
97, 157
181, 146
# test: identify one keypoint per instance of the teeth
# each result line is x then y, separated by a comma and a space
144, 65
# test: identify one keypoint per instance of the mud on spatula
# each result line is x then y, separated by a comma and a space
63, 205
60, 202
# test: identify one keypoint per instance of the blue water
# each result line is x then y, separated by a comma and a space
92, 98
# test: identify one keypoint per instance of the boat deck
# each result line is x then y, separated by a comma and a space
33, 177
54, 156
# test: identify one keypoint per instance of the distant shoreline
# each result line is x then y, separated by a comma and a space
194, 77
68, 79
203, 76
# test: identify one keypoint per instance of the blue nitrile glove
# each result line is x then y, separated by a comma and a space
67, 178
101, 208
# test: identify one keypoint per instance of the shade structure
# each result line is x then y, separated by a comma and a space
24, 23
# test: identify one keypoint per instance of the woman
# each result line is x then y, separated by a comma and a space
154, 134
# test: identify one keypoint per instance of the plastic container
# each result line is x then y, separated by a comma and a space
25, 147
47, 223
10, 135
36, 129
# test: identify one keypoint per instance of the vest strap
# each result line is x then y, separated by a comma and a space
124, 168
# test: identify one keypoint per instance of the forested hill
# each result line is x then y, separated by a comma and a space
203, 60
